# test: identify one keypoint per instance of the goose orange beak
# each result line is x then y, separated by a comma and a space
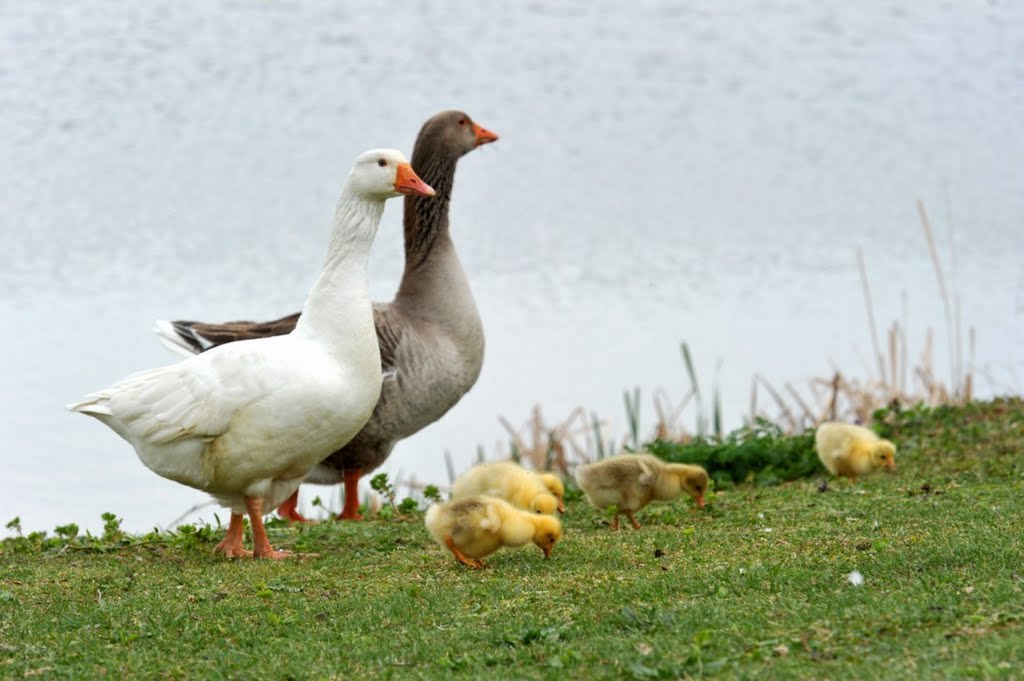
561, 506
483, 135
547, 552
700, 501
408, 182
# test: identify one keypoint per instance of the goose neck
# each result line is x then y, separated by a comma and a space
425, 219
341, 294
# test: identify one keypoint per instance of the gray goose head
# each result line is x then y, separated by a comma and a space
450, 134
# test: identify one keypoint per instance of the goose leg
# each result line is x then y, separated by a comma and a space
231, 546
351, 509
460, 556
260, 542
615, 522
636, 525
289, 509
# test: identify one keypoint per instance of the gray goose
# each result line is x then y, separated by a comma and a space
430, 335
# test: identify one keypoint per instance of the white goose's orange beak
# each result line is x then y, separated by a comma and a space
483, 135
408, 182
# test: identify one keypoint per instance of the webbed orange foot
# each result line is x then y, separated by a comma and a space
231, 545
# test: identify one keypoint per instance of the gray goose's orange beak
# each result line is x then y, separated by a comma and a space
408, 182
483, 135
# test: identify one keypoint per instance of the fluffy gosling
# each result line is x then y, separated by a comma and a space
631, 481
509, 481
475, 527
852, 451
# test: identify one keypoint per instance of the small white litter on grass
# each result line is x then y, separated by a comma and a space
855, 578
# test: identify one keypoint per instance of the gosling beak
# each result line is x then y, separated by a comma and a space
483, 135
700, 501
891, 465
408, 182
561, 506
547, 552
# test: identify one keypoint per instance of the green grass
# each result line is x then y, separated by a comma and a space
755, 586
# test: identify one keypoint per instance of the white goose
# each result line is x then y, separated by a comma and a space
247, 421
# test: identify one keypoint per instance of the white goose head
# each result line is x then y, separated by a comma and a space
383, 173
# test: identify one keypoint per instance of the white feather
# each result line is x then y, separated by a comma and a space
171, 339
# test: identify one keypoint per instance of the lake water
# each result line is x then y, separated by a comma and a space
698, 171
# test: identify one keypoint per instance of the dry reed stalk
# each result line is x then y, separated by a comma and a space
450, 466
753, 400
955, 286
894, 332
969, 378
904, 304
667, 426
544, 447
871, 311
780, 402
808, 417
952, 317
415, 487
833, 402
198, 507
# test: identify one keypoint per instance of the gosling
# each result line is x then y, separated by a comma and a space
631, 481
475, 527
852, 451
509, 481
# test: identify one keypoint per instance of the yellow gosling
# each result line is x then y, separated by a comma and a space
852, 451
509, 481
631, 481
475, 527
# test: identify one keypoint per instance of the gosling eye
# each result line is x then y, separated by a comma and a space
381, 162
462, 121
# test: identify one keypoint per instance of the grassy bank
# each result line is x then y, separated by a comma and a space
756, 585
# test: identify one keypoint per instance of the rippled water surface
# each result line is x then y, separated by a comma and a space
701, 171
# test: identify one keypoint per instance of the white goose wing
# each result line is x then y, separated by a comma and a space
194, 399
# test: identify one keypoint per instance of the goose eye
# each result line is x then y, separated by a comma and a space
381, 162
462, 121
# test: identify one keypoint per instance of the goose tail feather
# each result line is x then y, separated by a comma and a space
179, 338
